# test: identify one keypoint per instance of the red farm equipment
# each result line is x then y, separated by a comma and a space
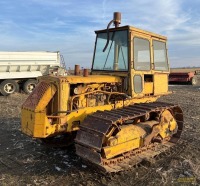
192, 77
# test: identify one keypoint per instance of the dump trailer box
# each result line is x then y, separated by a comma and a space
20, 69
15, 65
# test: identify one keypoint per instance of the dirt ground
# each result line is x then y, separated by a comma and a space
24, 161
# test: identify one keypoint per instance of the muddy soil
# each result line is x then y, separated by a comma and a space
25, 161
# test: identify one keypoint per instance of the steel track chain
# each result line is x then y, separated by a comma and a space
94, 128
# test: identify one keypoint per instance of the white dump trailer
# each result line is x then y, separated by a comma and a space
19, 70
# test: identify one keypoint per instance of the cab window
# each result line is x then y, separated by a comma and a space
141, 54
160, 55
115, 58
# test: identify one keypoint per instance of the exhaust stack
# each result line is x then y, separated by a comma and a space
77, 70
116, 19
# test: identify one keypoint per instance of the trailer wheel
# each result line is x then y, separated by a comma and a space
194, 81
29, 85
8, 87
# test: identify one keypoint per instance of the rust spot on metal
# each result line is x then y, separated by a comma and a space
34, 98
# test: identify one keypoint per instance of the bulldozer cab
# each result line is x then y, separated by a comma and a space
138, 56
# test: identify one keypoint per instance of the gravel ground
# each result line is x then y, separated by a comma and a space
24, 161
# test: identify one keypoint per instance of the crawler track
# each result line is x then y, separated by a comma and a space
94, 129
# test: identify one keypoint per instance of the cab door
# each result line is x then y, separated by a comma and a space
141, 64
160, 66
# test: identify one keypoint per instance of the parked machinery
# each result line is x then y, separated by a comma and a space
19, 70
185, 76
112, 113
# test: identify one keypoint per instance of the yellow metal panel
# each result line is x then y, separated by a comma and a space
150, 34
27, 125
148, 87
34, 119
49, 93
160, 83
126, 133
80, 114
64, 96
40, 97
92, 79
128, 138
135, 30
36, 122
39, 127
121, 148
33, 124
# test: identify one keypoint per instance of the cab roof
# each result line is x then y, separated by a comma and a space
134, 29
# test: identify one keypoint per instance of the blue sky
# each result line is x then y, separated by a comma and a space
68, 26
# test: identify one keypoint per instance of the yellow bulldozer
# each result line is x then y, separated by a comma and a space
111, 113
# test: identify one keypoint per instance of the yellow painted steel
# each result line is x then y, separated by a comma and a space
59, 104
148, 88
126, 133
111, 152
37, 124
53, 113
92, 79
168, 124
130, 137
160, 83
34, 121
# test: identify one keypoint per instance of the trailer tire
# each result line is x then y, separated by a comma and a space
29, 85
8, 87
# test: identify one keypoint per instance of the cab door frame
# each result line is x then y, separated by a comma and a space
160, 77
133, 71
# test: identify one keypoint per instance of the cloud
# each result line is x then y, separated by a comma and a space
69, 26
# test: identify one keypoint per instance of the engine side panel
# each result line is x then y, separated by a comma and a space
62, 106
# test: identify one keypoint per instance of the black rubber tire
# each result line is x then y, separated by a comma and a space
8, 87
29, 85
